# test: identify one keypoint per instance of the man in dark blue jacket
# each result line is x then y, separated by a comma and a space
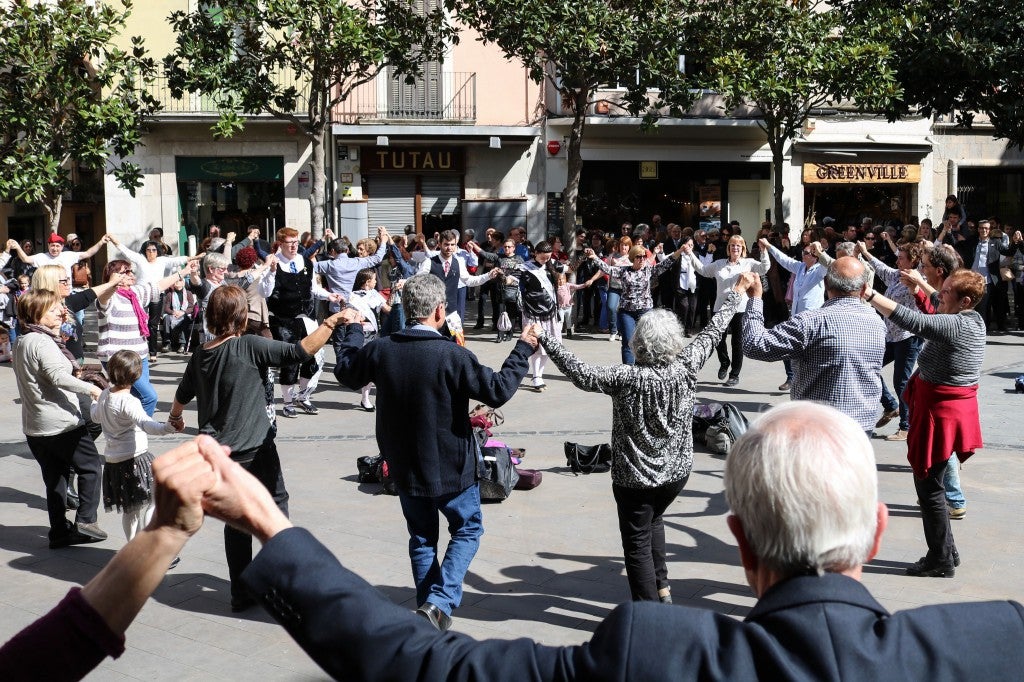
426, 381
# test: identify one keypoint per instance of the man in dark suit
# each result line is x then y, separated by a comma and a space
668, 281
427, 381
802, 488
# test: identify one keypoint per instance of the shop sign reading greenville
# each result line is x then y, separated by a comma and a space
412, 159
861, 173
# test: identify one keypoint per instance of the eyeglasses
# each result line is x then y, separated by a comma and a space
808, 253
224, 269
869, 239
64, 281
638, 257
290, 242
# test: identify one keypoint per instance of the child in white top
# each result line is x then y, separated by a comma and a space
369, 302
128, 474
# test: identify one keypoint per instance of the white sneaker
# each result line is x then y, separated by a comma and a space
538, 384
613, 337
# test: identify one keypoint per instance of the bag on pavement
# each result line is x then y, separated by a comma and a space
498, 477
721, 435
588, 459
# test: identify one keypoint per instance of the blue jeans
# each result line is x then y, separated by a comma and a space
143, 388
612, 306
627, 325
951, 482
601, 310
903, 356
441, 584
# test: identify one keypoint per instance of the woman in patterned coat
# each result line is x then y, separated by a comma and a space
652, 437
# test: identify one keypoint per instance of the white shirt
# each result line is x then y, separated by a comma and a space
125, 424
65, 258
465, 279
147, 272
270, 279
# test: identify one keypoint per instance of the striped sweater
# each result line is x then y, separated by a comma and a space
118, 325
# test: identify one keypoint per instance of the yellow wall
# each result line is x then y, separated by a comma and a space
149, 20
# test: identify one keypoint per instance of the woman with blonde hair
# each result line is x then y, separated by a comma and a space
725, 272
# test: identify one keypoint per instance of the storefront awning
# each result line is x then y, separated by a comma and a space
863, 144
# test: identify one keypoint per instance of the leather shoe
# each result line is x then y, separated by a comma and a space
732, 381
925, 568
887, 416
785, 386
723, 371
438, 618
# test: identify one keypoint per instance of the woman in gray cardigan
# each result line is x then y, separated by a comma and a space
52, 418
652, 436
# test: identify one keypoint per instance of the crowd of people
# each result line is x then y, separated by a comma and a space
835, 308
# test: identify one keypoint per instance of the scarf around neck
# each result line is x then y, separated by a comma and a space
39, 329
140, 314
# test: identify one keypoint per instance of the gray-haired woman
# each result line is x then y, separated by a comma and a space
652, 438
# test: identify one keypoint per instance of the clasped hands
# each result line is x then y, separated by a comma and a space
198, 479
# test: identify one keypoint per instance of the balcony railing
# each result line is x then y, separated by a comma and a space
190, 103
434, 97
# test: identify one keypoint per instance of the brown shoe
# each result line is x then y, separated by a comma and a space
887, 416
899, 435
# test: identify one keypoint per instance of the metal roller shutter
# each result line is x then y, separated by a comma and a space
391, 202
441, 194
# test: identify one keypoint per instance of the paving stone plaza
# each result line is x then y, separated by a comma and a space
550, 565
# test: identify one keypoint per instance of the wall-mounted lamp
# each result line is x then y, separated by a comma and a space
382, 141
495, 143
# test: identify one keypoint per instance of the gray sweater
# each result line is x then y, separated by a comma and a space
49, 391
652, 407
954, 346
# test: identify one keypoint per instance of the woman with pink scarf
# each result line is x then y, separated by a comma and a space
124, 323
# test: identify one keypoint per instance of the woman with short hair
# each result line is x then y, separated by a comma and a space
52, 418
943, 399
227, 377
652, 429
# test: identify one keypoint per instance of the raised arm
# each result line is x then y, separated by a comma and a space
94, 249
585, 377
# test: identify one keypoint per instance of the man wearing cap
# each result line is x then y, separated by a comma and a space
55, 253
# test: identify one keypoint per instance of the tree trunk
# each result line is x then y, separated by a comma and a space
318, 186
52, 202
574, 156
777, 145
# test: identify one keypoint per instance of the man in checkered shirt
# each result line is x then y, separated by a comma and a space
836, 350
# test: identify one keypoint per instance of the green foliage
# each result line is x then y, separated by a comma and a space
68, 96
296, 59
786, 58
962, 56
579, 45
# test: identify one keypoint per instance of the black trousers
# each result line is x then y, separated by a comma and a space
72, 451
735, 329
155, 310
291, 330
934, 517
265, 465
686, 309
643, 536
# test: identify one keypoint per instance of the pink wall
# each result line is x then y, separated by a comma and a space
504, 93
